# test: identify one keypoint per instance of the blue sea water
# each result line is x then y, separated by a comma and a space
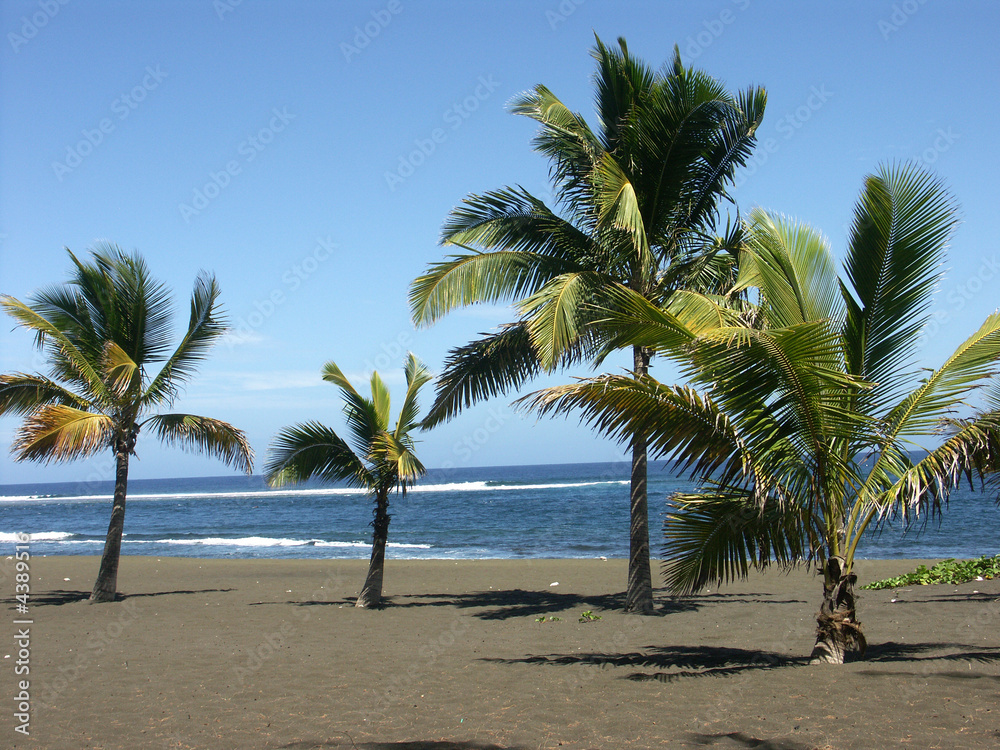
551, 511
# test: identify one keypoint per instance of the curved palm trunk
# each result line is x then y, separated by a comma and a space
106, 586
371, 592
838, 630
639, 597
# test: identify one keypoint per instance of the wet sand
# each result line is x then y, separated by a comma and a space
271, 654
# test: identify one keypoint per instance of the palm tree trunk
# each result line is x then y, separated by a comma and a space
639, 597
371, 592
106, 586
838, 630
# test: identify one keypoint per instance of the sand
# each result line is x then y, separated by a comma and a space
271, 654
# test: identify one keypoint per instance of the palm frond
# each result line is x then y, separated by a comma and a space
513, 219
72, 363
555, 315
59, 432
380, 401
564, 138
943, 390
205, 325
65, 310
709, 267
718, 536
972, 450
730, 147
793, 268
308, 450
903, 489
398, 454
126, 305
21, 393
677, 421
623, 84
924, 485
493, 365
122, 374
362, 415
629, 319
417, 375
333, 374
921, 413
145, 307
462, 280
618, 206
796, 372
204, 435
902, 223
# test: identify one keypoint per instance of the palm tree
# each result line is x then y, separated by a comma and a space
804, 412
102, 331
637, 202
382, 460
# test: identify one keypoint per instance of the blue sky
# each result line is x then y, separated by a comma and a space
307, 153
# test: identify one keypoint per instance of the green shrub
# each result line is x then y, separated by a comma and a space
946, 571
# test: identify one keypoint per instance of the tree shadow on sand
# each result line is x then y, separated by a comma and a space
347, 742
739, 740
510, 603
507, 604
897, 652
685, 661
956, 676
59, 597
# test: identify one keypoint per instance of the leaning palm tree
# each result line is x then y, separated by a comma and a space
637, 205
382, 460
804, 414
102, 332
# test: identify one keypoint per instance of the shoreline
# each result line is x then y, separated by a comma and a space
254, 653
507, 512
397, 553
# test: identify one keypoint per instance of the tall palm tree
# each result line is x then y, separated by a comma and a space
382, 460
637, 203
804, 407
103, 331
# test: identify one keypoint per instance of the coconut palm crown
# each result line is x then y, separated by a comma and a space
379, 459
106, 334
805, 419
636, 206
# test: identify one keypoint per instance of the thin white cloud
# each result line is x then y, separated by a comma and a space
278, 380
225, 382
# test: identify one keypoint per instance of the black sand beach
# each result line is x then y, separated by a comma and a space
271, 654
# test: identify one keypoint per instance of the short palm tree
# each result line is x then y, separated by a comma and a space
102, 332
382, 460
637, 205
805, 412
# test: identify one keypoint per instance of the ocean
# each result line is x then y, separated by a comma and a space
541, 511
